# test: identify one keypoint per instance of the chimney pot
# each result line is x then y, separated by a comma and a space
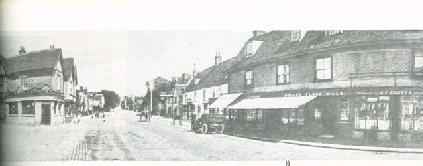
51, 46
217, 59
22, 50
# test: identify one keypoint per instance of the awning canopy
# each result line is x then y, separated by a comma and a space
273, 103
224, 100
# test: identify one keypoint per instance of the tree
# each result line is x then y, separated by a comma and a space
111, 99
160, 85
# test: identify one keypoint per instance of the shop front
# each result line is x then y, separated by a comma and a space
373, 114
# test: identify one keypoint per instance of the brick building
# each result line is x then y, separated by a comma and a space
34, 93
361, 84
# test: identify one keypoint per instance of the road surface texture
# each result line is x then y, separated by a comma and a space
123, 137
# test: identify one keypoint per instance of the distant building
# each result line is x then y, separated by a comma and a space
70, 83
34, 95
95, 101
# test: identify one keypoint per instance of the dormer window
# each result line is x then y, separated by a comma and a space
333, 32
250, 49
297, 35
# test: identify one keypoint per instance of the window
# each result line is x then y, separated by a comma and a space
55, 107
204, 95
373, 113
59, 82
333, 32
324, 68
13, 108
295, 36
23, 81
283, 74
412, 113
28, 107
250, 49
254, 115
344, 110
317, 114
418, 63
249, 78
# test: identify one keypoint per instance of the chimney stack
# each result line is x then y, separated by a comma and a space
51, 47
22, 50
217, 59
258, 33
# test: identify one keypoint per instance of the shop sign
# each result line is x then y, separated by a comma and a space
334, 93
400, 92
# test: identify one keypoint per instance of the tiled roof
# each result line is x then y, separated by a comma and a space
34, 60
201, 75
3, 66
281, 47
68, 66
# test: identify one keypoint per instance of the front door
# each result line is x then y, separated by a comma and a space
45, 114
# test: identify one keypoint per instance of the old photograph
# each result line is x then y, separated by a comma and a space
212, 95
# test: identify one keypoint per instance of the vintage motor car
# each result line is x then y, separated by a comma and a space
208, 123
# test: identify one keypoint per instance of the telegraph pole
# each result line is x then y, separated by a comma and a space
151, 97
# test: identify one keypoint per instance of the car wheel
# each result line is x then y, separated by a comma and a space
204, 129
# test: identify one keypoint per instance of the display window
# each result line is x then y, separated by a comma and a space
373, 113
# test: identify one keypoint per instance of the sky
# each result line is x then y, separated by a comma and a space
118, 45
123, 61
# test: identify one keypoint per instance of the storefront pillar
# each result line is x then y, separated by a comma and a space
395, 118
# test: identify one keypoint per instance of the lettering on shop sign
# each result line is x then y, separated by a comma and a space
314, 94
400, 92
253, 97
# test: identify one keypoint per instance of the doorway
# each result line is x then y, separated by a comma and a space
45, 114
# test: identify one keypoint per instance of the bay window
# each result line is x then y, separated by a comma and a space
324, 68
13, 108
28, 107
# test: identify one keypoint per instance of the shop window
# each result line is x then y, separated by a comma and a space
418, 63
300, 117
28, 107
283, 74
317, 114
412, 113
344, 111
373, 113
324, 68
13, 108
251, 115
249, 78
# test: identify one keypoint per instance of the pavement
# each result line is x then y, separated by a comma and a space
121, 136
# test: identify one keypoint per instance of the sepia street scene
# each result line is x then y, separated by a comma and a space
212, 95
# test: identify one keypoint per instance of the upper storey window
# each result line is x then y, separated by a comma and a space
324, 68
418, 63
249, 78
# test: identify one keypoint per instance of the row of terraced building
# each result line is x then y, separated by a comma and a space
365, 85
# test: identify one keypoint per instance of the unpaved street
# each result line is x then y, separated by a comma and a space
123, 137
